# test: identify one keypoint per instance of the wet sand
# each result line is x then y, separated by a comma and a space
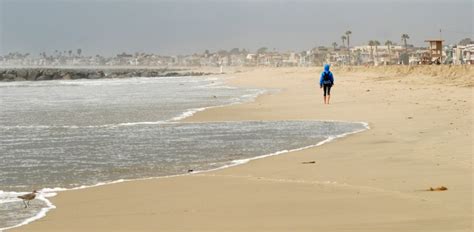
377, 180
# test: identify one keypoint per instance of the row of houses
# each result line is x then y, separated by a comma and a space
456, 55
357, 55
214, 59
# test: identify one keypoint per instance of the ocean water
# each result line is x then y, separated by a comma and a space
57, 135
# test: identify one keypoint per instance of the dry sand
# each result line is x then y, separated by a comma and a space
420, 137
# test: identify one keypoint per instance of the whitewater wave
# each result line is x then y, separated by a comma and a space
44, 194
188, 113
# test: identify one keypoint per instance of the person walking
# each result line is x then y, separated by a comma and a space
326, 82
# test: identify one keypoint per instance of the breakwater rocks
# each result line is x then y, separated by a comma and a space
43, 74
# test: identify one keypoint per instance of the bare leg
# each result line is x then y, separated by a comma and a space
324, 98
329, 96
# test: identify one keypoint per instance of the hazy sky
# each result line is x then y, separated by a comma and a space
186, 26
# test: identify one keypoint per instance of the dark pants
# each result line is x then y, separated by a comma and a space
327, 89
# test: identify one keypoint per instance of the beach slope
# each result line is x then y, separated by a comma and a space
376, 180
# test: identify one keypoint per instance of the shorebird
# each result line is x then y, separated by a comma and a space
27, 198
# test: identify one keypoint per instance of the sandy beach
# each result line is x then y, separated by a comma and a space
376, 180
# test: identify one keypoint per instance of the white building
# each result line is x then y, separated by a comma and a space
464, 54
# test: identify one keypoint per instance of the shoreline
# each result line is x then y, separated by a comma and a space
54, 191
204, 116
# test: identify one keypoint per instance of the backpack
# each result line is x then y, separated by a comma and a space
327, 78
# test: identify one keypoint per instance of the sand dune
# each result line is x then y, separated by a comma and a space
422, 74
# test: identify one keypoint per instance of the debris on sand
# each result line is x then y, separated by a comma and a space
441, 188
309, 162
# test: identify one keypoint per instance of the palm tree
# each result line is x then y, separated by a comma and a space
343, 38
371, 44
348, 33
404, 39
376, 43
79, 51
389, 44
334, 44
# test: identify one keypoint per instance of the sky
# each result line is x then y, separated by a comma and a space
169, 27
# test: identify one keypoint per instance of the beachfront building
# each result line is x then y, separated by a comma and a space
363, 54
318, 56
338, 58
463, 54
376, 55
417, 56
291, 59
468, 54
276, 59
271, 59
304, 59
237, 60
251, 59
264, 59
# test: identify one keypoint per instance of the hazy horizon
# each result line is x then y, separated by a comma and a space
188, 26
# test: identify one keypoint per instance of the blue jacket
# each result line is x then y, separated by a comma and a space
326, 70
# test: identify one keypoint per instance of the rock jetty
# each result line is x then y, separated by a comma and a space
43, 74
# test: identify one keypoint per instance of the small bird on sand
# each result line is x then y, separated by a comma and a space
28, 197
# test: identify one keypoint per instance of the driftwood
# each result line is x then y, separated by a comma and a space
441, 188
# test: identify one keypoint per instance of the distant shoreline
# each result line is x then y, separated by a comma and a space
9, 74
